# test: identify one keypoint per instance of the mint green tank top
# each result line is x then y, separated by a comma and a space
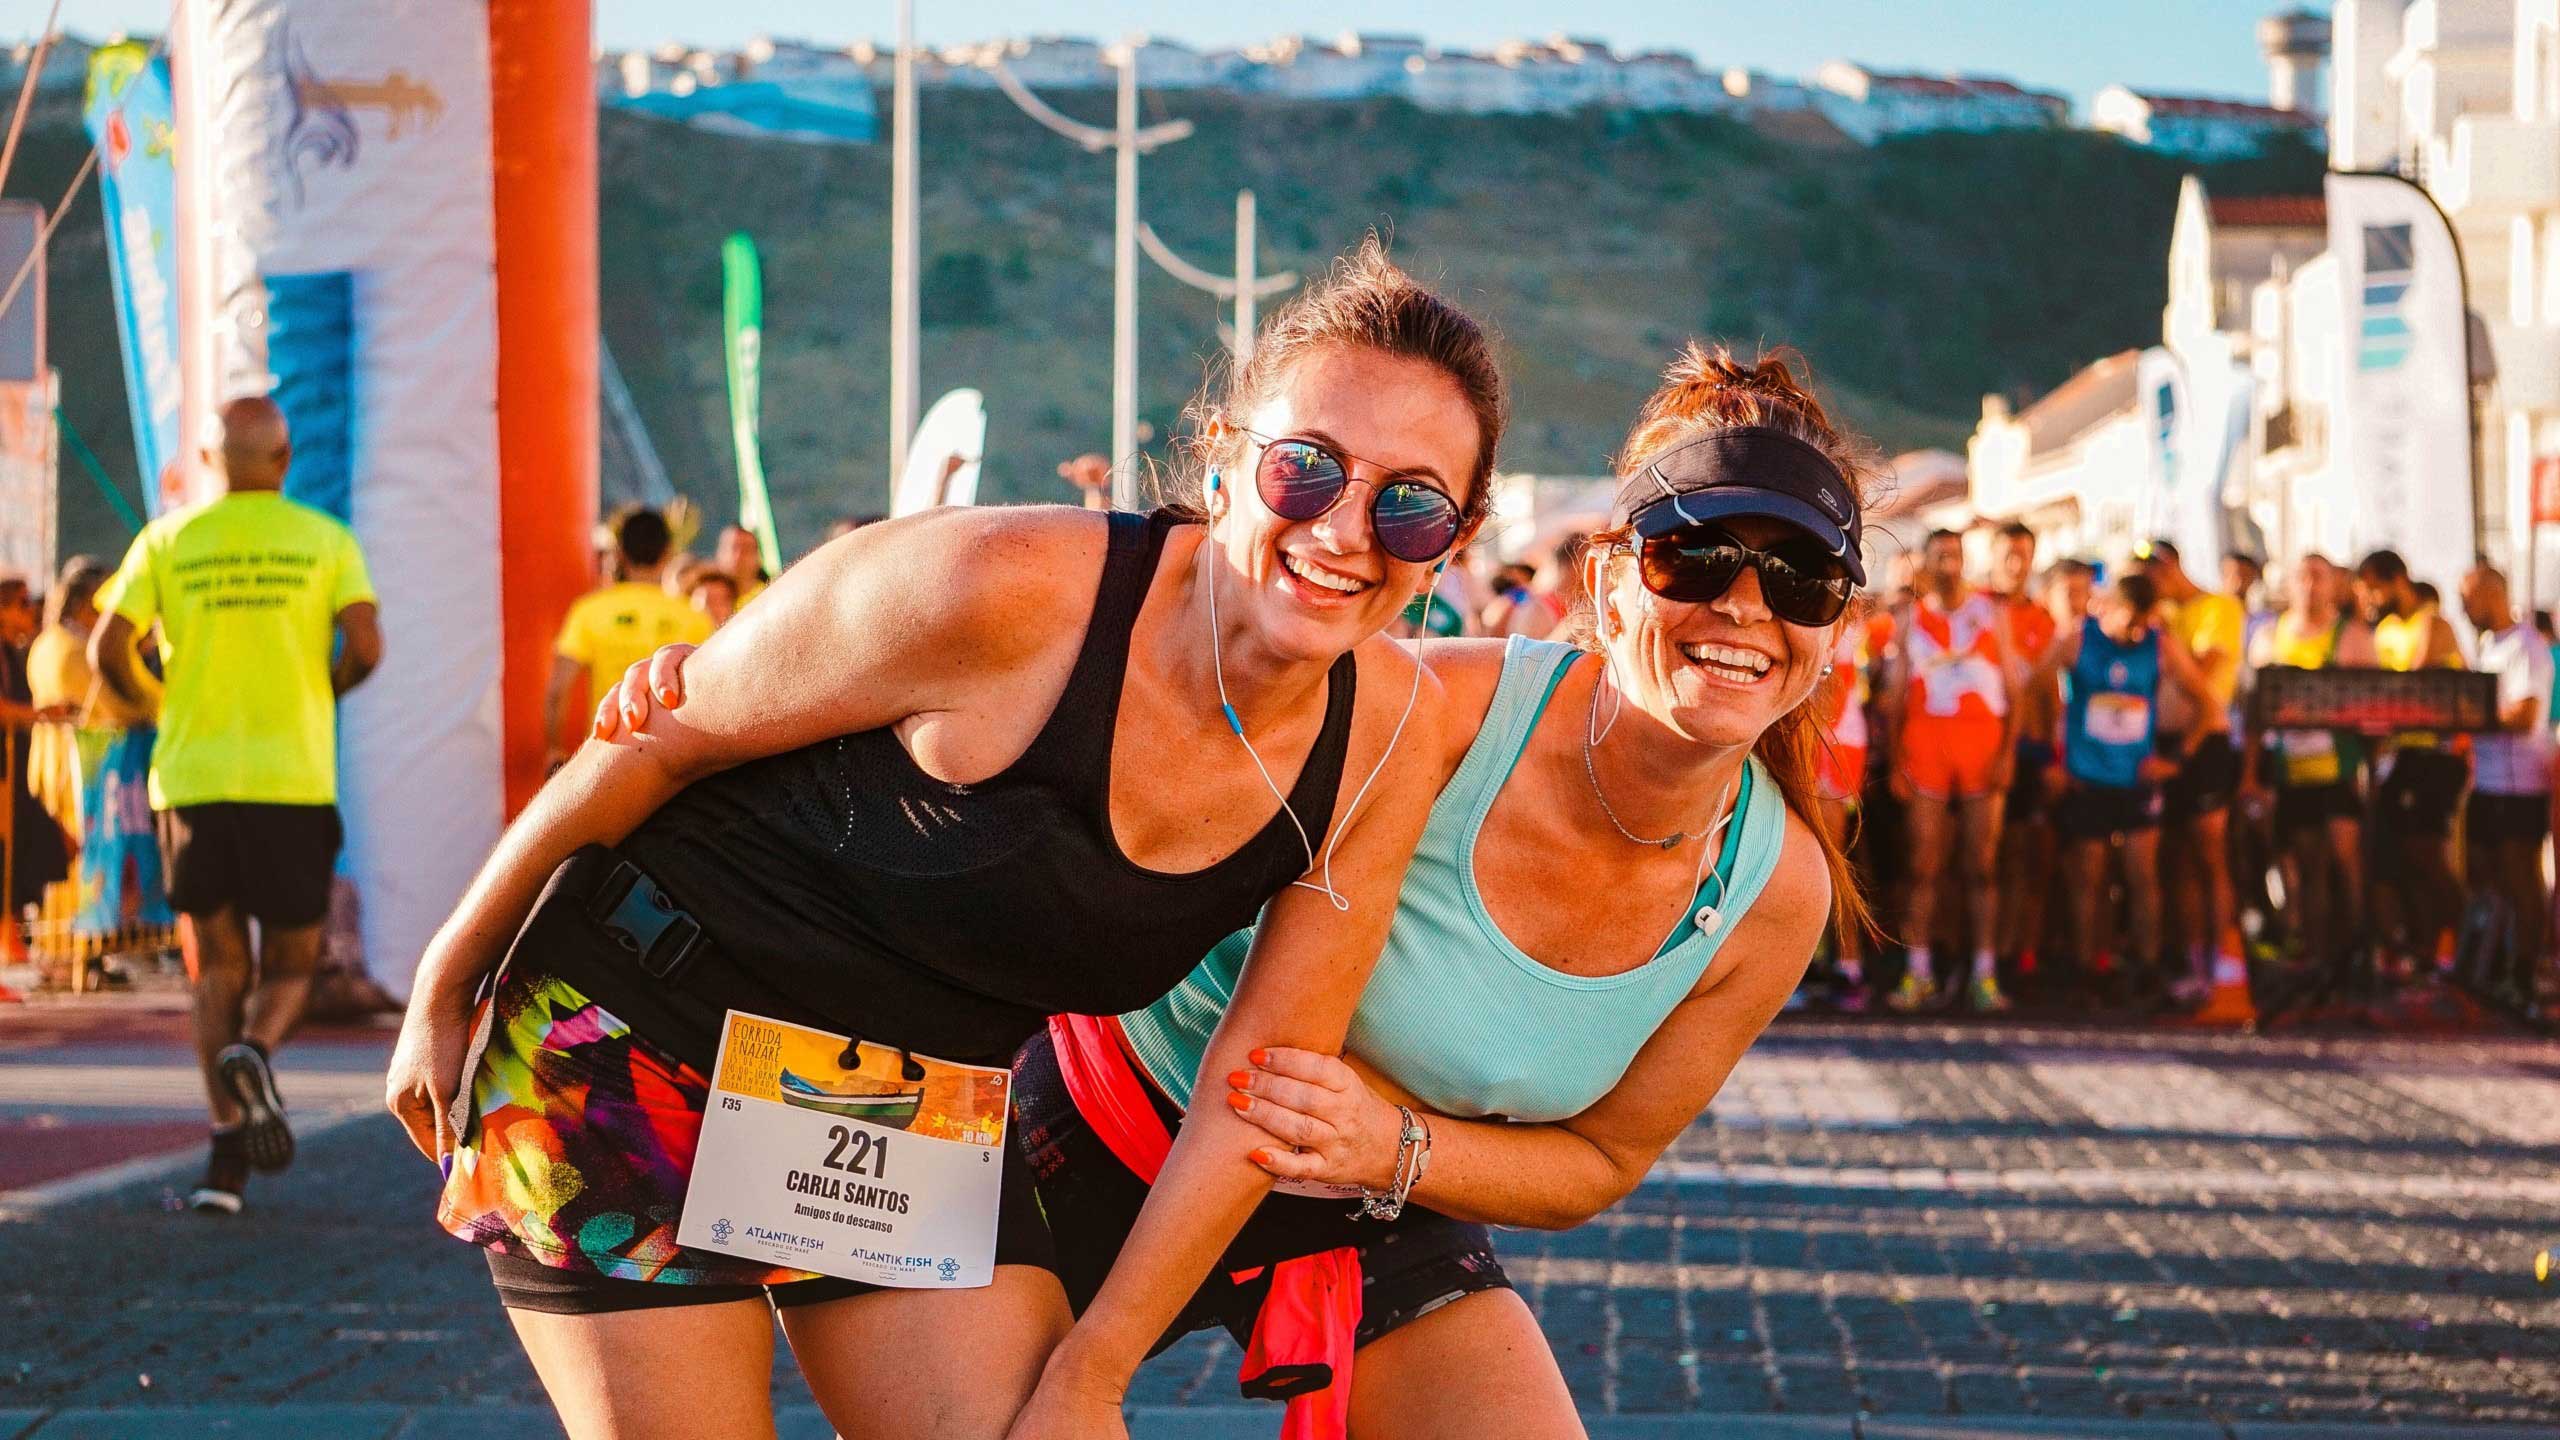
1464, 1020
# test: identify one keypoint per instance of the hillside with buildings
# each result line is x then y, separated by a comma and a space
1917, 274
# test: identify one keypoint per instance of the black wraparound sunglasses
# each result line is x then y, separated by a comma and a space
1300, 479
1803, 583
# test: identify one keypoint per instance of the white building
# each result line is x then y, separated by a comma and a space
2296, 44
1352, 66
1668, 80
1562, 73
2167, 440
2073, 465
1043, 62
1171, 65
812, 70
1757, 90
2198, 127
1465, 84
2480, 128
1869, 104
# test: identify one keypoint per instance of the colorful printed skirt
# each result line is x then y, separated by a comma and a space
579, 1143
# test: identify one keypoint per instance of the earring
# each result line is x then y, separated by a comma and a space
1214, 482
1826, 669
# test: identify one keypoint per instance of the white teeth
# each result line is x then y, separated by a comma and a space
1729, 660
1339, 584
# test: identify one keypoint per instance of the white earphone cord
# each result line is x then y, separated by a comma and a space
1218, 665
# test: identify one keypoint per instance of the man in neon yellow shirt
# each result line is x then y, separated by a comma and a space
252, 593
609, 630
2195, 732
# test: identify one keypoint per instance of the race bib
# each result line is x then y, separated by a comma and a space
863, 1174
1950, 680
2115, 719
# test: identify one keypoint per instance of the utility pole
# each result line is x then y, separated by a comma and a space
1129, 141
903, 380
1246, 290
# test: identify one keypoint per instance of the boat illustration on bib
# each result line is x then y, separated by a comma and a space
895, 1109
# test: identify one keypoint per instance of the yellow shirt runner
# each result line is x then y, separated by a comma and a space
246, 589
610, 630
2212, 628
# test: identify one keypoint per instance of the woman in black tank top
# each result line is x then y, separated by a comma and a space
949, 775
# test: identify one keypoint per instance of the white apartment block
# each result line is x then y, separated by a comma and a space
2198, 127
1869, 104
2477, 84
1466, 84
1350, 67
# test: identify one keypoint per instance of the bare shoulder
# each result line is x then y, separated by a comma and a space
1469, 671
979, 573
1387, 677
975, 553
1798, 895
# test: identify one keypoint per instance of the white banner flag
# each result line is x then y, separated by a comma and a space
347, 172
2402, 434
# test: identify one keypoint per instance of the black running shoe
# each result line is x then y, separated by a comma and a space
226, 1175
252, 1082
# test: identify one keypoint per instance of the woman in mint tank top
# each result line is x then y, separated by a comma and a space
1618, 887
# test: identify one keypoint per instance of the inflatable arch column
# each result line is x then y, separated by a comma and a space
387, 219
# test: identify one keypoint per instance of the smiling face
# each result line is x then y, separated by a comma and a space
1313, 589
1719, 672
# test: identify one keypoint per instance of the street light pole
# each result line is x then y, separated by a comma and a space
1124, 294
902, 250
1246, 289
1127, 234
1245, 297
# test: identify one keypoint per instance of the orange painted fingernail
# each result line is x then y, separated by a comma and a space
1239, 1103
1260, 1057
667, 695
1260, 1157
1240, 1079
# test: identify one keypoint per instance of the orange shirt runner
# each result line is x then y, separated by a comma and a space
1956, 697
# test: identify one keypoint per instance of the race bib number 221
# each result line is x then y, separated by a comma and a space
870, 1173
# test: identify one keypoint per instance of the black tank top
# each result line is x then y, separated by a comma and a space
952, 919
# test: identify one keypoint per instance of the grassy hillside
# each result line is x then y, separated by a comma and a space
1916, 276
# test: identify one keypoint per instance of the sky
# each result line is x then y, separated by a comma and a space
2073, 46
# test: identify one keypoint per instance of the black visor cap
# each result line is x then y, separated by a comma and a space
1746, 470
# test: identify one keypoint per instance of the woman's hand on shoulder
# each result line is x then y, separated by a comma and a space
893, 620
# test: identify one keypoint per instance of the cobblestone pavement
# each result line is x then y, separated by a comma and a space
1885, 1230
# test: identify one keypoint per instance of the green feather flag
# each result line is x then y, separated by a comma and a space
742, 316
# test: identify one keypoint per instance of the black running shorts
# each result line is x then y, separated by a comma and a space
1409, 1266
2312, 807
270, 862
2422, 791
2102, 812
2503, 819
2205, 780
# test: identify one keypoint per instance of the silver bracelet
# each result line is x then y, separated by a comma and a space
1413, 1155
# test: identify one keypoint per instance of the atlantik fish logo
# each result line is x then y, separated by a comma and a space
949, 1269
721, 1229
